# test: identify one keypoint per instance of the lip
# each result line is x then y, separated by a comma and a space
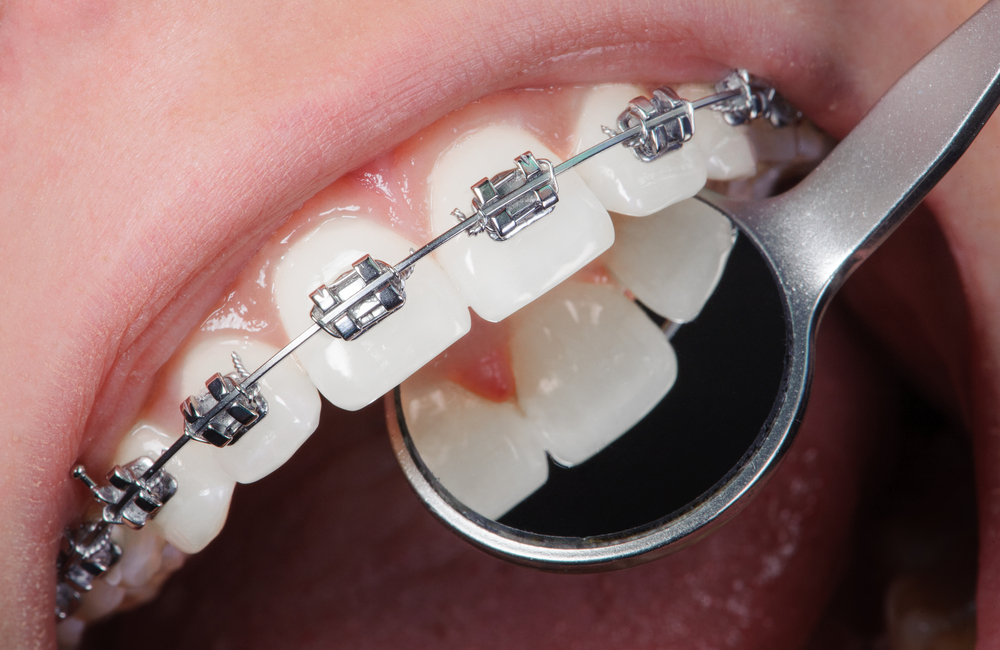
312, 130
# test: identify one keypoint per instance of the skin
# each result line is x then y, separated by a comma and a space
149, 150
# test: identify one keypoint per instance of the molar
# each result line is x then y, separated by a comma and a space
623, 183
673, 260
487, 454
198, 510
352, 374
498, 278
293, 405
589, 364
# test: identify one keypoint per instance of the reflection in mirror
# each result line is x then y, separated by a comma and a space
596, 409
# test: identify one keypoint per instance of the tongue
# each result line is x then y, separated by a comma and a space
334, 551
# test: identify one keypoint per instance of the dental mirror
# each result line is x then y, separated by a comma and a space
746, 362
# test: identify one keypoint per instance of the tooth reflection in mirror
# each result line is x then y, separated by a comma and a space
498, 278
672, 260
623, 183
730, 367
487, 453
589, 364
199, 508
293, 405
352, 374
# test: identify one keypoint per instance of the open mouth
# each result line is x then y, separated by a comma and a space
331, 549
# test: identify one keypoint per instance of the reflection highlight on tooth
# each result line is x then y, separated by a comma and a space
498, 278
199, 508
589, 365
623, 183
673, 260
353, 374
293, 406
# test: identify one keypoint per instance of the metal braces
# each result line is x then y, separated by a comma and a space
357, 301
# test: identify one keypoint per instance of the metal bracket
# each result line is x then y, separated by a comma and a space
150, 493
513, 200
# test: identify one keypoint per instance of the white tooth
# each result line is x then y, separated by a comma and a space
142, 555
293, 405
196, 513
727, 151
623, 183
588, 364
488, 455
498, 278
673, 260
352, 374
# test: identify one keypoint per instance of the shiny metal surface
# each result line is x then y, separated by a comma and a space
813, 237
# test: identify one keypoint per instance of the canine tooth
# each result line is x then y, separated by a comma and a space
196, 513
623, 183
498, 278
673, 260
488, 455
727, 151
293, 405
589, 364
352, 374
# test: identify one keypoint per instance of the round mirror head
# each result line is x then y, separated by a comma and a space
675, 470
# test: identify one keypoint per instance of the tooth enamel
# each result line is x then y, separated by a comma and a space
352, 374
673, 260
589, 364
488, 455
197, 511
293, 405
727, 151
498, 278
623, 183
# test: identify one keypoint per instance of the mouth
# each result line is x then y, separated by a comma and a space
334, 530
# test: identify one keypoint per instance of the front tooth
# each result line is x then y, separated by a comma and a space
673, 260
498, 278
623, 183
352, 374
727, 151
486, 454
589, 364
197, 511
293, 405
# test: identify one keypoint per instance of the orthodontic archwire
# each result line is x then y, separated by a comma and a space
358, 300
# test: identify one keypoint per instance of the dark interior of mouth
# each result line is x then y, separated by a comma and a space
731, 362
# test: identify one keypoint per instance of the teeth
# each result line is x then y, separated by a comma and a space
498, 278
589, 364
197, 511
727, 151
623, 183
673, 260
487, 454
293, 406
352, 374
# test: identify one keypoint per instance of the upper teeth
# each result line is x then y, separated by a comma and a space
499, 278
352, 374
557, 345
